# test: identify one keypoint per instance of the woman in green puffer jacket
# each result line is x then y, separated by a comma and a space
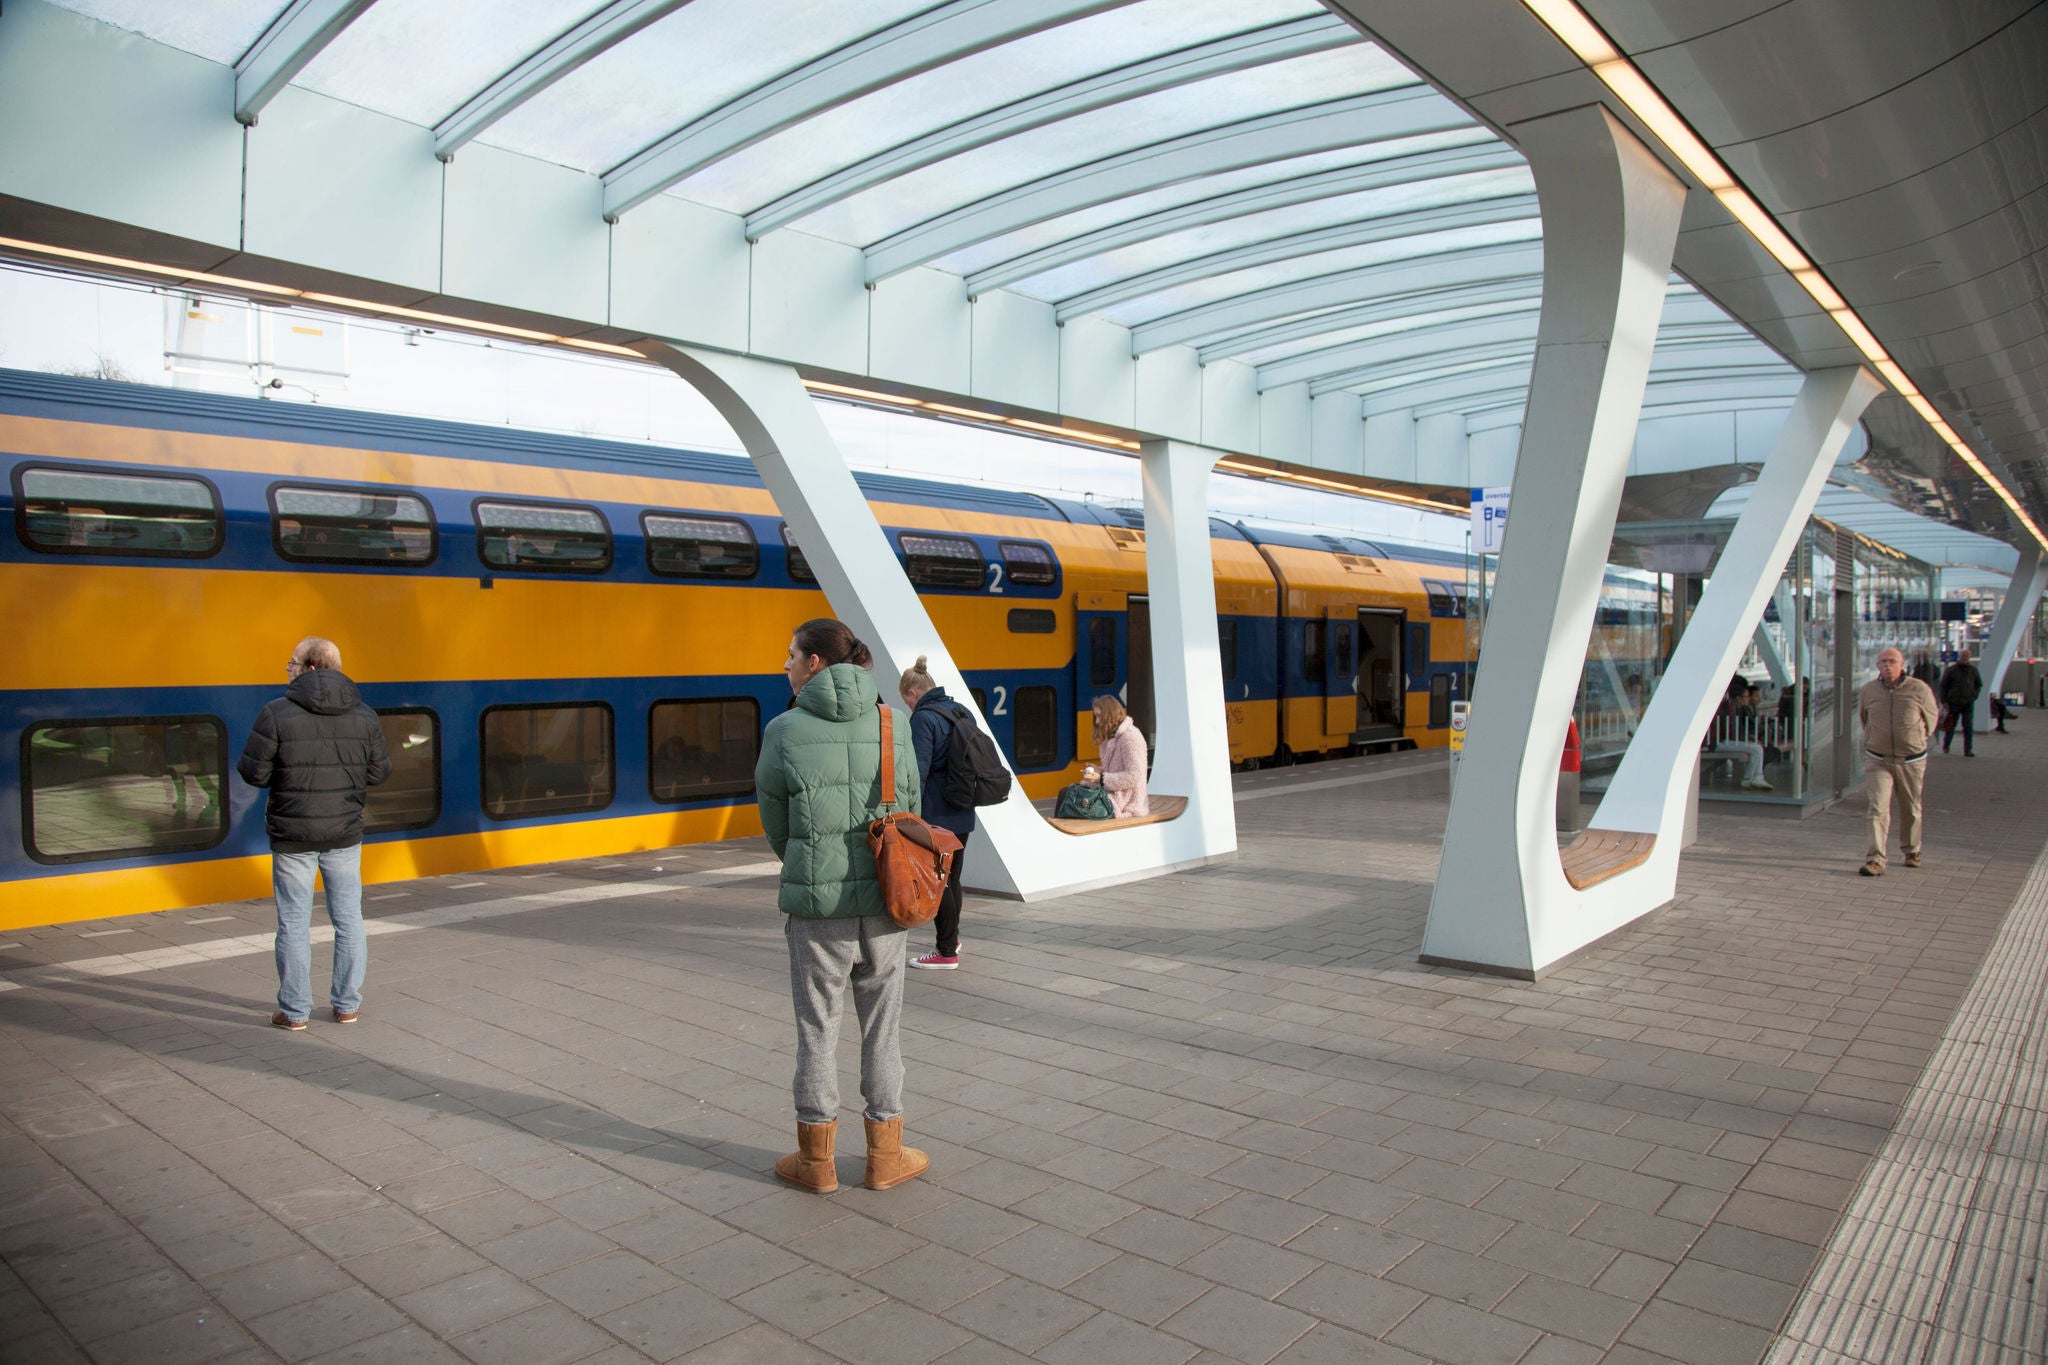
820, 783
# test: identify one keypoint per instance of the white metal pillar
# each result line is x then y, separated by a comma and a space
1014, 852
2009, 627
1610, 221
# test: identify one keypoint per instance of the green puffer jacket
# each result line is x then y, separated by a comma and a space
820, 781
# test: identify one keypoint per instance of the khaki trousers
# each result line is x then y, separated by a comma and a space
1881, 777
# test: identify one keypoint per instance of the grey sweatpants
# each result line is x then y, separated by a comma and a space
825, 957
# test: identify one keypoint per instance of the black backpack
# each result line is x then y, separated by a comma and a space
975, 775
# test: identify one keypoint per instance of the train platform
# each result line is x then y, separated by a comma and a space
1220, 1116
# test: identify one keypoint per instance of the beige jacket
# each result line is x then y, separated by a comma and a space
1123, 770
1897, 720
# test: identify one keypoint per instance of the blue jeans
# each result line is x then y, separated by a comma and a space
291, 877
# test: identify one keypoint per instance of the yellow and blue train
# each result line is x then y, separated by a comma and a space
573, 643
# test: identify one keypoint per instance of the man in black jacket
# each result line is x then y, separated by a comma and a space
1960, 686
319, 750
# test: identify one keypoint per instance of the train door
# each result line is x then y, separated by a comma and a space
1340, 701
1138, 646
1101, 655
1382, 675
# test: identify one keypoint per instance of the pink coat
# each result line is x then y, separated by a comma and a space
1123, 770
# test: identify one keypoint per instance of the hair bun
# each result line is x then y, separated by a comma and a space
920, 665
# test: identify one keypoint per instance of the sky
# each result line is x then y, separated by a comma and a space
55, 321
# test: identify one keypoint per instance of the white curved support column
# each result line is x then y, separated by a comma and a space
2009, 627
1610, 221
1014, 852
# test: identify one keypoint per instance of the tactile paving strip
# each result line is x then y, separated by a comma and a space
1940, 1255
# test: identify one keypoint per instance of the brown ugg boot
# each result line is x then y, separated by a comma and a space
890, 1163
810, 1166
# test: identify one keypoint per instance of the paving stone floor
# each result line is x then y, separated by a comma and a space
1223, 1116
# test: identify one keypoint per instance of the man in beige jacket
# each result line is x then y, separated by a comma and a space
1898, 716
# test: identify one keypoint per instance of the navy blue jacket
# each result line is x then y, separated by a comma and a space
931, 727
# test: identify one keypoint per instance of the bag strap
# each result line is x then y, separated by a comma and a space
888, 756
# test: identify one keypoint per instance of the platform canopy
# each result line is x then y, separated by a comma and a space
1243, 223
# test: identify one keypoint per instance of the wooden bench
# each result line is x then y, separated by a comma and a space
1598, 854
1164, 808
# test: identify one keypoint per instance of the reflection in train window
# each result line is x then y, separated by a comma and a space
941, 561
698, 750
799, 567
1029, 564
123, 788
1037, 735
550, 537
1226, 646
1102, 652
87, 511
411, 797
541, 760
699, 547
351, 526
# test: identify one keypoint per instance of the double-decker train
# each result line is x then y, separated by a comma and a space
573, 644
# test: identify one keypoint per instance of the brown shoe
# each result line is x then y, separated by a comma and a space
810, 1166
283, 1020
1873, 868
345, 1016
890, 1163
1912, 860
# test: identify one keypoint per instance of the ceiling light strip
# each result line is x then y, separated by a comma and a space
1579, 33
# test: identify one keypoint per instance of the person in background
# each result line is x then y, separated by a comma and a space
1961, 684
1734, 732
1123, 758
933, 715
1898, 725
819, 778
318, 750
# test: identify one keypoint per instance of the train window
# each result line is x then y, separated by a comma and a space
550, 537
411, 797
700, 547
541, 760
1032, 621
799, 567
1314, 663
123, 788
90, 511
1340, 648
1037, 733
980, 700
699, 750
1226, 646
1102, 652
1439, 701
1444, 600
351, 526
941, 561
1029, 564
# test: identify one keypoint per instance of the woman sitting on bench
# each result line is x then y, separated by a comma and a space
1123, 758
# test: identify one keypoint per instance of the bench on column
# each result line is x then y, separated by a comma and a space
1164, 808
1598, 854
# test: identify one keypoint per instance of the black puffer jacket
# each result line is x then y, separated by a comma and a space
319, 750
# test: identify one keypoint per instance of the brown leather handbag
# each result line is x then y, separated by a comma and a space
912, 859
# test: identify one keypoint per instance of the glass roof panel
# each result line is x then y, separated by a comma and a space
981, 255
421, 60
975, 84
219, 30
704, 55
1426, 317
1033, 155
1237, 282
1250, 229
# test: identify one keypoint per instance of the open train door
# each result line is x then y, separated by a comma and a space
1382, 677
1138, 698
1340, 701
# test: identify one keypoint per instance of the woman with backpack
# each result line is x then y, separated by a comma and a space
933, 716
820, 781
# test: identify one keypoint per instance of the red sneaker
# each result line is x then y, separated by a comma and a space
937, 961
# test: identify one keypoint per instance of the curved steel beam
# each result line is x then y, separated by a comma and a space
1296, 38
1403, 112
920, 43
603, 30
1667, 397
1373, 175
293, 39
1362, 232
1387, 385
1310, 366
1364, 315
1413, 276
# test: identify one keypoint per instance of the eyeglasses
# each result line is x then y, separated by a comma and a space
292, 664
